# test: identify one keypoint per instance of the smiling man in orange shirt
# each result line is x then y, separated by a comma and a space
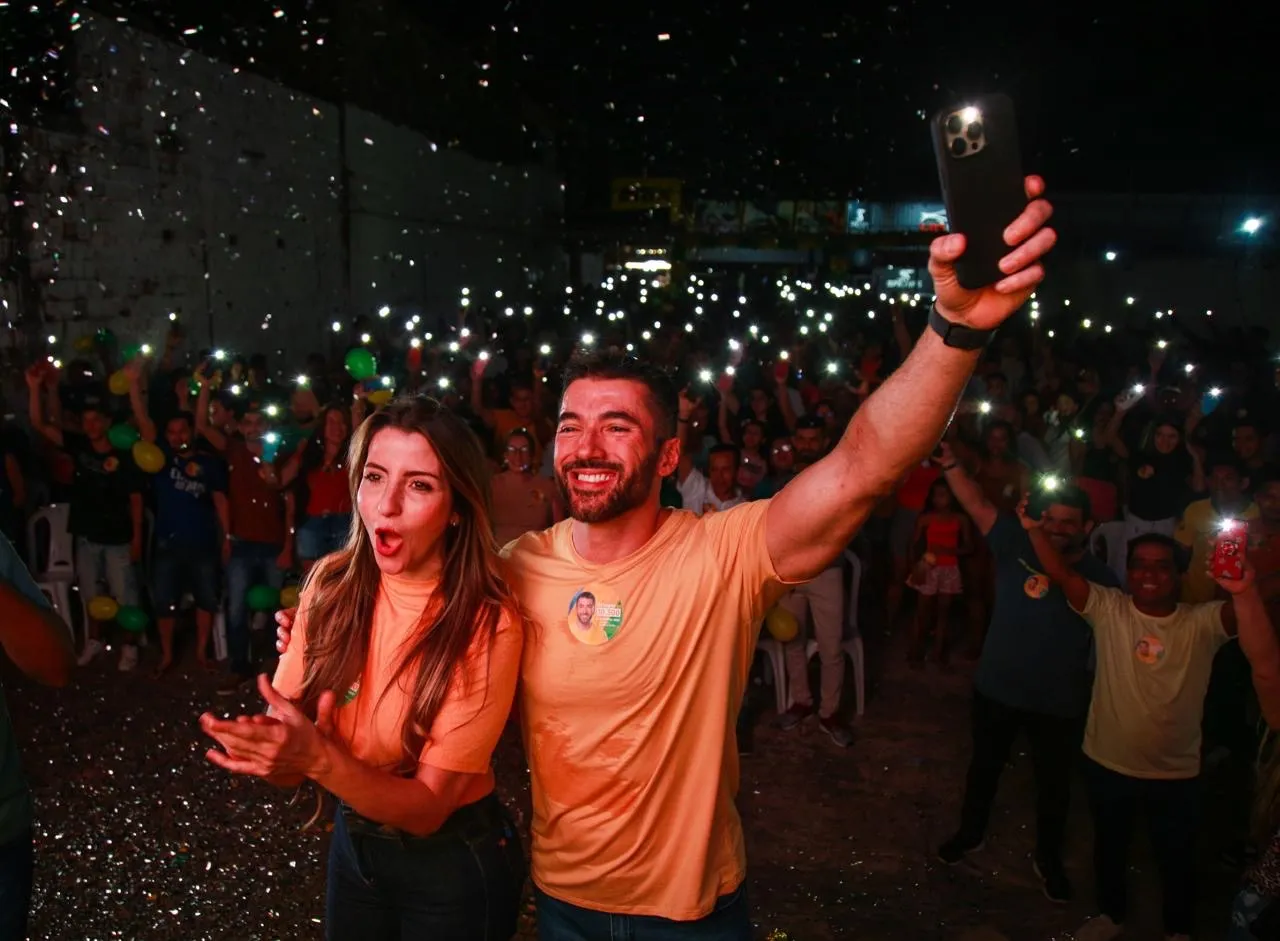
629, 696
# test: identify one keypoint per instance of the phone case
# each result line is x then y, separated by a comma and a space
1228, 554
982, 188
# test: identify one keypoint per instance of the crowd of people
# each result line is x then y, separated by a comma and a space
601, 545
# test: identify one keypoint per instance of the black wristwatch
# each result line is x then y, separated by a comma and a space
958, 335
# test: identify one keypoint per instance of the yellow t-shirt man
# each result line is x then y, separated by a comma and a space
632, 677
1198, 529
1151, 680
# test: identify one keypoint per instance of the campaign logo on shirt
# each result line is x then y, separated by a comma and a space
1149, 649
591, 621
1146, 472
192, 469
1036, 586
111, 464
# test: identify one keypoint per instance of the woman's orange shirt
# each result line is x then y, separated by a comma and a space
475, 710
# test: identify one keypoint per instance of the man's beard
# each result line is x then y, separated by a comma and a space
630, 491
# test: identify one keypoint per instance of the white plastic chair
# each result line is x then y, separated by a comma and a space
776, 661
1107, 542
54, 570
852, 643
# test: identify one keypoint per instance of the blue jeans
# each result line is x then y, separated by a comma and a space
252, 563
17, 863
178, 569
321, 535
462, 883
730, 920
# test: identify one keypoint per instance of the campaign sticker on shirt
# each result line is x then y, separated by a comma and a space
1036, 586
111, 464
592, 621
1146, 472
1149, 649
192, 469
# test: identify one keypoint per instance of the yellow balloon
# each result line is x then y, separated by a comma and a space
103, 608
782, 624
148, 457
289, 596
380, 397
118, 383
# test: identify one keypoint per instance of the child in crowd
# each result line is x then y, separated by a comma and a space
944, 534
1142, 739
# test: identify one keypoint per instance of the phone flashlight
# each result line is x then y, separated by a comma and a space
145, 349
484, 355
386, 382
1079, 433
784, 355
704, 375
1228, 525
1189, 368
1049, 483
984, 407
545, 349
443, 382
1139, 389
1161, 344
833, 368
273, 411
1215, 392
219, 354
235, 389
302, 380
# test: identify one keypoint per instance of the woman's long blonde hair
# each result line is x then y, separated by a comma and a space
343, 588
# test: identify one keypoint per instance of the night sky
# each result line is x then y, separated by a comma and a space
800, 100
746, 99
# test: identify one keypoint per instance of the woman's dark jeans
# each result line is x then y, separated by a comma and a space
463, 882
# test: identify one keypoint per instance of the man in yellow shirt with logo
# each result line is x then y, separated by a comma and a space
1142, 738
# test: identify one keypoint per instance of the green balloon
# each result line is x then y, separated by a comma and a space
132, 619
263, 598
132, 352
105, 337
360, 364
123, 437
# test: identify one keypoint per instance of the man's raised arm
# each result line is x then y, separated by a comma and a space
815, 516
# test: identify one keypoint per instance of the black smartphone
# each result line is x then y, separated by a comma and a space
980, 168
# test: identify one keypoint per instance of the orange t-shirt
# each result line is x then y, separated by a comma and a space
505, 421
631, 682
473, 714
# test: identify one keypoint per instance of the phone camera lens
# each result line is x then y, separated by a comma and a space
959, 147
974, 131
954, 124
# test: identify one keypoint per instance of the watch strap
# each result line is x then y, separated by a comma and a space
958, 335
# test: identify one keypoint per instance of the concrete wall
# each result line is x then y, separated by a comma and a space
198, 189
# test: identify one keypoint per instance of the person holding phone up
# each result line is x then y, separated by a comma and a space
1142, 736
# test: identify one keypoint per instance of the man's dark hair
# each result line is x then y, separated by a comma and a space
664, 397
1263, 476
1175, 548
812, 422
726, 449
586, 594
1073, 496
1224, 459
187, 417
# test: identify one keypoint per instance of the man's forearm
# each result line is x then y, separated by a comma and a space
1259, 644
902, 421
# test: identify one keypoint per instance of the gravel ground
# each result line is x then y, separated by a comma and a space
139, 838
